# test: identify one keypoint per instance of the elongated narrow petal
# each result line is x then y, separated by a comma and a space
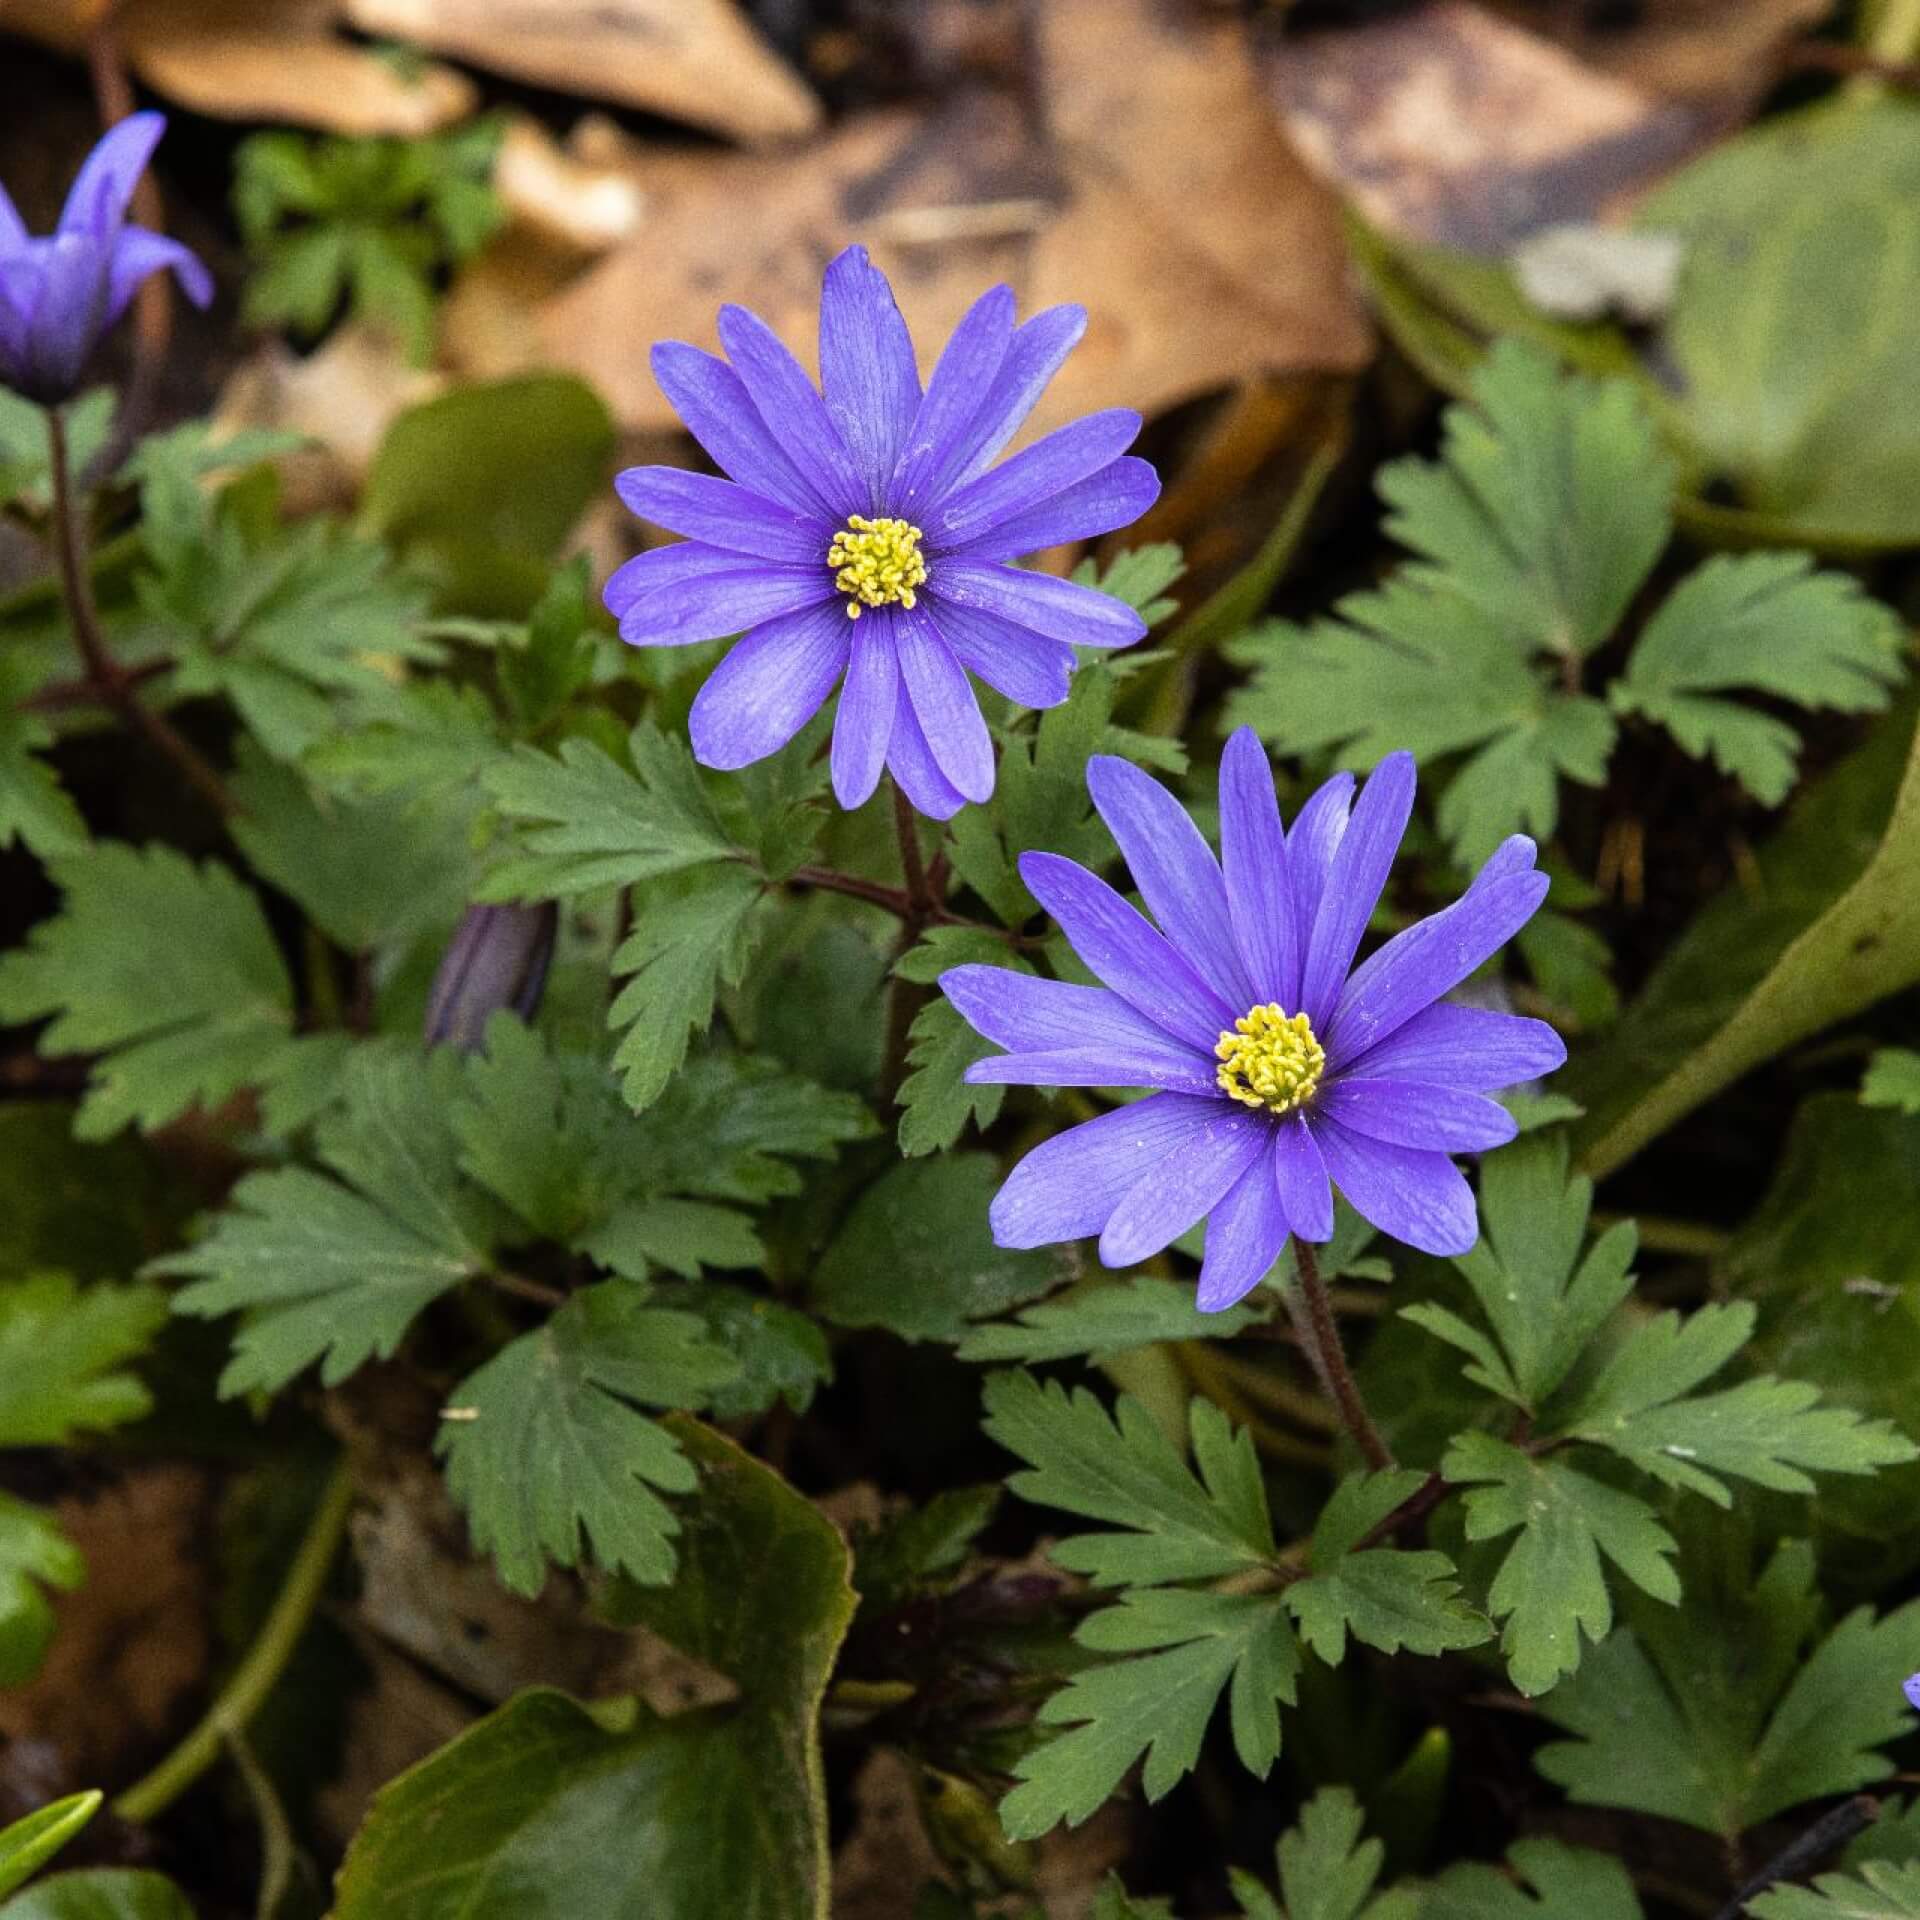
1125, 952
1174, 869
1359, 872
1254, 861
1058, 608
1068, 1186
137, 254
1035, 474
1029, 1015
724, 514
709, 606
1314, 838
911, 761
1184, 1185
1035, 354
963, 374
1245, 1234
1300, 1173
768, 687
1166, 1066
662, 567
13, 230
102, 190
68, 309
944, 705
1026, 666
1473, 1048
719, 412
1116, 496
864, 724
791, 406
1421, 1198
872, 386
1431, 957
1413, 1113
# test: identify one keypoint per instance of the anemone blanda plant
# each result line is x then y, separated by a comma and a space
1280, 1069
865, 532
60, 292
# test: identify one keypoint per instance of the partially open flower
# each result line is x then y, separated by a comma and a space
60, 292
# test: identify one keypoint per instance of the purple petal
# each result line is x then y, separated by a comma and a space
768, 687
1420, 1198
1060, 609
709, 606
1165, 1066
138, 253
103, 188
1413, 1113
1318, 829
791, 406
1300, 1175
1068, 1186
1026, 666
910, 760
923, 474
1253, 856
1036, 474
944, 705
1184, 1184
1428, 959
1026, 1014
1125, 952
66, 314
659, 567
1034, 356
867, 368
864, 724
13, 230
1472, 1048
1116, 496
719, 412
1174, 869
724, 515
1354, 882
1245, 1233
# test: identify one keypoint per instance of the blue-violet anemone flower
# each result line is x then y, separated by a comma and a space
60, 292
1281, 1070
864, 531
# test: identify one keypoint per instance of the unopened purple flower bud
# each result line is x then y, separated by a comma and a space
1910, 1686
60, 292
496, 962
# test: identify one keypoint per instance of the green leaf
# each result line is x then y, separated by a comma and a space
1879, 1891
1758, 623
1569, 1883
33, 1553
910, 1551
539, 678
1712, 1715
1892, 1080
1832, 925
1100, 1318
546, 1449
336, 1270
101, 1893
27, 1845
1122, 1469
169, 971
916, 1255
35, 809
62, 1351
781, 1354
1550, 1586
548, 1811
1385, 1597
936, 1104
1542, 1300
1327, 1872
585, 822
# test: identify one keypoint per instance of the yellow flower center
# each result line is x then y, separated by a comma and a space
1270, 1059
877, 563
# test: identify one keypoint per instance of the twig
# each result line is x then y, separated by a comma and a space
524, 1289
254, 1678
1319, 1335
905, 998
113, 684
874, 892
1827, 1835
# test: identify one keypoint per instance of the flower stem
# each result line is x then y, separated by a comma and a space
253, 1679
115, 687
905, 998
1311, 1311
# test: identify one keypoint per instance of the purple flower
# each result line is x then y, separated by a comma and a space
867, 533
60, 293
1281, 1070
1910, 1686
497, 959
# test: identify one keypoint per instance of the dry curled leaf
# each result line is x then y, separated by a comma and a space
694, 60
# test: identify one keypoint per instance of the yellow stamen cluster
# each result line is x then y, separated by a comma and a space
878, 563
1270, 1059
